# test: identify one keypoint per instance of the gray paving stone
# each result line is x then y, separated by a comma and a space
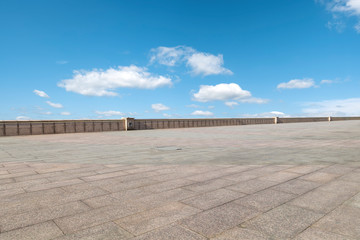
305, 169
252, 186
352, 177
42, 231
341, 187
320, 177
241, 233
217, 220
320, 201
344, 220
155, 218
316, 234
10, 222
171, 232
279, 177
296, 186
106, 231
213, 199
265, 200
51, 185
209, 185
91, 218
283, 222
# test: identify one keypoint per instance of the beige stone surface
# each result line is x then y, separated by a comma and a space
290, 181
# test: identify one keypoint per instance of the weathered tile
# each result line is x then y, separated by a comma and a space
11, 192
213, 199
155, 218
217, 220
352, 177
104, 176
341, 187
283, 222
93, 218
320, 201
23, 184
338, 169
344, 220
252, 186
171, 232
240, 177
42, 231
304, 169
52, 185
320, 177
209, 185
241, 233
279, 177
296, 186
168, 185
316, 234
265, 200
10, 222
106, 231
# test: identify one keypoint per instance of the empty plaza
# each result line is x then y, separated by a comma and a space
275, 181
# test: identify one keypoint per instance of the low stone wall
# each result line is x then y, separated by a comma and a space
14, 128
140, 124
302, 119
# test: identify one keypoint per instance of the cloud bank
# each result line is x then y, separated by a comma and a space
340, 107
220, 92
297, 83
200, 63
157, 107
104, 82
41, 93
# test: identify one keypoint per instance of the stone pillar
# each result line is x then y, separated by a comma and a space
129, 123
275, 120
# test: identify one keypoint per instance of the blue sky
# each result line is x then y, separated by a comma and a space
179, 59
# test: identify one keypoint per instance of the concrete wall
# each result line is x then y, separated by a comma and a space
15, 128
141, 124
307, 119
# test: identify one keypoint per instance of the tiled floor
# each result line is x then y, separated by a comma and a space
286, 181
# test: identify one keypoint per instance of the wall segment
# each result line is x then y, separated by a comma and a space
18, 128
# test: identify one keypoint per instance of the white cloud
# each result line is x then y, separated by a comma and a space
340, 107
207, 64
157, 107
325, 81
254, 100
351, 7
41, 93
357, 27
62, 62
54, 105
341, 9
104, 82
201, 63
231, 104
193, 106
65, 113
170, 56
22, 118
110, 113
167, 115
266, 115
297, 83
211, 107
202, 113
222, 92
